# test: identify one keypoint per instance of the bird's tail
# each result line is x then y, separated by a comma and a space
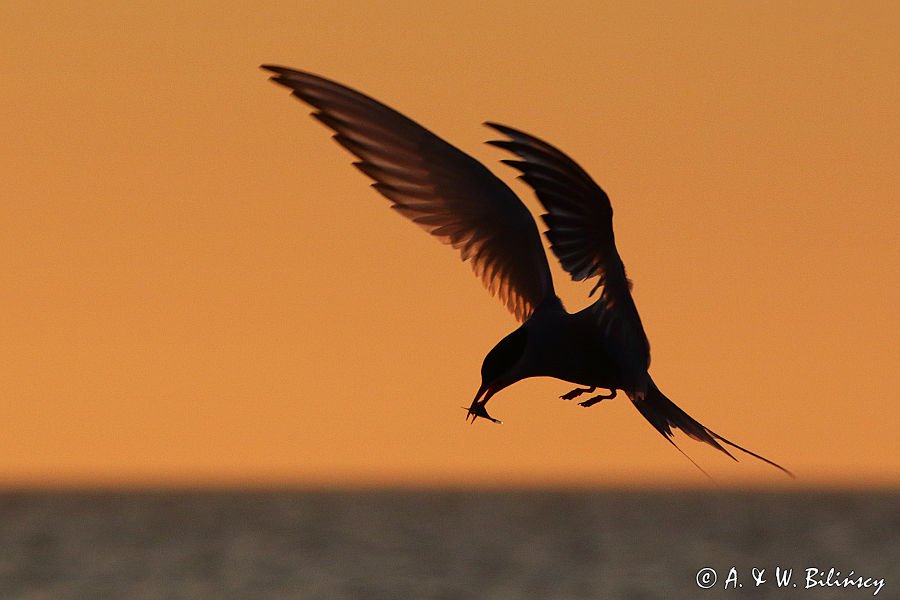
665, 416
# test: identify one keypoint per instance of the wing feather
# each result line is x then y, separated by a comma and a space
579, 228
440, 188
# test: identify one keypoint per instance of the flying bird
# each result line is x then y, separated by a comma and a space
459, 201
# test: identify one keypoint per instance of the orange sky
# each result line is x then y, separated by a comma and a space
197, 288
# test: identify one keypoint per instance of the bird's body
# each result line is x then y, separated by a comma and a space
566, 346
458, 200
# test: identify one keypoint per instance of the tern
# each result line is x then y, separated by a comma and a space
459, 201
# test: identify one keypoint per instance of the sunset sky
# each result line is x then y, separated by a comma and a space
196, 288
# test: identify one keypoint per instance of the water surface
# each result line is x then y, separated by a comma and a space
396, 544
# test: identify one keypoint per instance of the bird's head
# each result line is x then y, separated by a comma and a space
498, 368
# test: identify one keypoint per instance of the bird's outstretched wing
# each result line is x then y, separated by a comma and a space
445, 191
579, 222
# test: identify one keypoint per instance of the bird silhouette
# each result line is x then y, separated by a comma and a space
458, 200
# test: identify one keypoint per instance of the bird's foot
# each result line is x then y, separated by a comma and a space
598, 398
577, 392
476, 410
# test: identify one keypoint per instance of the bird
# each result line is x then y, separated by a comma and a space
458, 200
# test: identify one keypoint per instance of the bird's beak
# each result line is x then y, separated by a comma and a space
477, 409
481, 392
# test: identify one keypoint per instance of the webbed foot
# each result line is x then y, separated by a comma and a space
577, 392
598, 398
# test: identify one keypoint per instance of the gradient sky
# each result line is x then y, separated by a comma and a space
196, 287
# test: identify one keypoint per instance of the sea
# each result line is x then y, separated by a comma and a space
448, 544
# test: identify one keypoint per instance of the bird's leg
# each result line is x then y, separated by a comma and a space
577, 392
599, 397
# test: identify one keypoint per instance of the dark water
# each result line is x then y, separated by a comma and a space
441, 544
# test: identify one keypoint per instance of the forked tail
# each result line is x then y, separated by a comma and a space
665, 416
